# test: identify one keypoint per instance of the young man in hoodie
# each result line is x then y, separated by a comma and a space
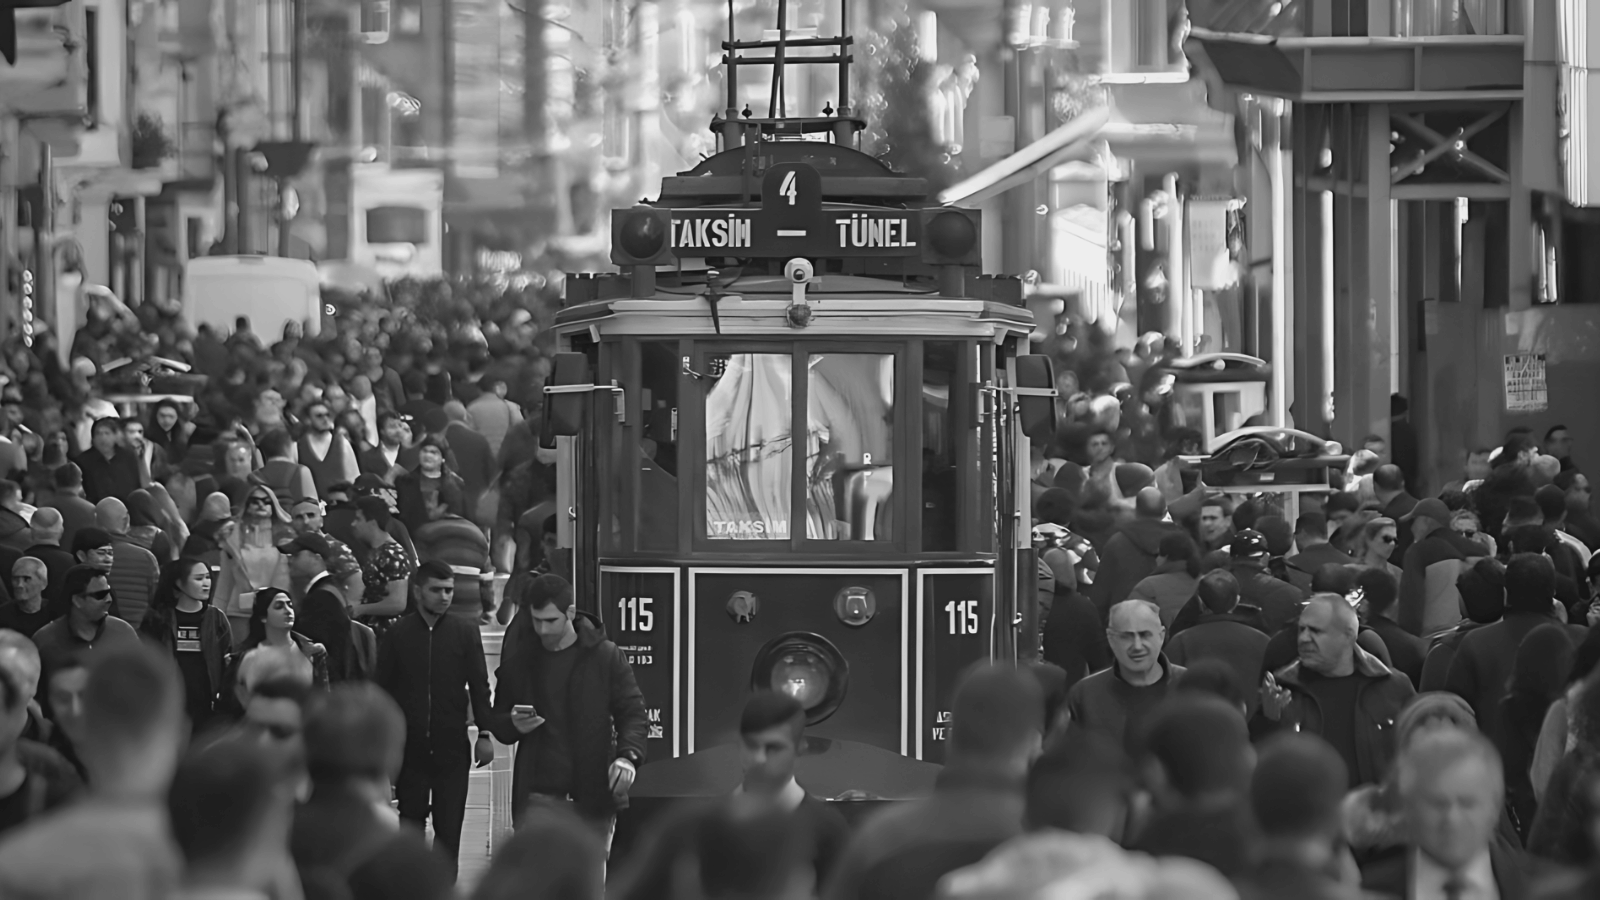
569, 703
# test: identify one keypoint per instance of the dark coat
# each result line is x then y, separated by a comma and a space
1483, 662
1390, 875
1228, 638
1407, 652
216, 642
342, 848
1314, 557
115, 477
414, 512
1383, 694
1278, 600
1129, 556
438, 675
606, 715
1074, 637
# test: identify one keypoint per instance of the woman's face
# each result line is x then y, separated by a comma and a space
258, 506
197, 584
239, 461
1382, 543
166, 418
280, 613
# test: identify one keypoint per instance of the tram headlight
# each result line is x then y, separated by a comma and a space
639, 236
807, 667
951, 237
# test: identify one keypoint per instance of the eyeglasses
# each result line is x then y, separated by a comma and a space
260, 501
1389, 539
97, 595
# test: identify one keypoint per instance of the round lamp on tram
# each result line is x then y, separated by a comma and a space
807, 667
643, 235
951, 234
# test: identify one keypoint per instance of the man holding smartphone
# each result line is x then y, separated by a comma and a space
558, 700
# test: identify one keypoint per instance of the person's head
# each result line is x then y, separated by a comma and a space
1101, 446
1522, 511
1339, 507
1081, 784
371, 521
1379, 536
47, 526
272, 611
1327, 634
1149, 504
261, 503
238, 459
230, 808
1530, 583
1136, 636
549, 538
1426, 517
133, 727
275, 444
1214, 521
67, 479
1388, 480
1377, 445
394, 429
552, 849
1466, 523
29, 576
306, 517
1279, 534
1451, 788
274, 713
268, 663
1055, 506
1214, 676
93, 547
996, 719
1311, 528
430, 455
1477, 466
770, 730
1429, 712
1483, 591
184, 578
433, 587
64, 685
105, 434
1552, 502
1558, 442
1196, 746
1248, 545
1577, 490
320, 417
1380, 589
548, 600
88, 590
166, 415
112, 516
1298, 789
354, 732
1218, 591
308, 554
1178, 547
1540, 668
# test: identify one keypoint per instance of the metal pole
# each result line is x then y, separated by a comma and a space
1279, 403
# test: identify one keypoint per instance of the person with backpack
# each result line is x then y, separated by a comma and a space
290, 481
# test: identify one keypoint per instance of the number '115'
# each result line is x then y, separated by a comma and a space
963, 616
635, 614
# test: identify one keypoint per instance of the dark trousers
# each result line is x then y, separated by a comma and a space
434, 780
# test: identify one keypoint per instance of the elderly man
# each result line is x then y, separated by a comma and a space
48, 529
1338, 690
26, 612
1450, 791
1113, 701
134, 570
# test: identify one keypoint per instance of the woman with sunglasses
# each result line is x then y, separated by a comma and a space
1376, 544
250, 557
272, 619
182, 620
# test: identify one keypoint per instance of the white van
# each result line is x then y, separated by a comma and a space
269, 290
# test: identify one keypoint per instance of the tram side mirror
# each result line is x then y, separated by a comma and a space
1036, 410
563, 410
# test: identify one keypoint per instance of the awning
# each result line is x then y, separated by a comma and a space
1069, 141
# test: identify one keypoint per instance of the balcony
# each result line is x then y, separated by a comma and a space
1360, 18
51, 76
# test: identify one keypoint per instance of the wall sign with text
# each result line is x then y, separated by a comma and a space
641, 612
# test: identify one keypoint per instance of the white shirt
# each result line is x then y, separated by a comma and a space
1428, 879
368, 409
790, 796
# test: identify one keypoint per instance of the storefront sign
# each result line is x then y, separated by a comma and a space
1526, 388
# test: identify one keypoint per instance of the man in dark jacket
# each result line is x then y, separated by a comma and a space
559, 700
1338, 691
1389, 484
1483, 601
1407, 652
1278, 600
1311, 536
1296, 793
109, 469
433, 666
1130, 554
1197, 751
1222, 633
1115, 701
1428, 599
1483, 661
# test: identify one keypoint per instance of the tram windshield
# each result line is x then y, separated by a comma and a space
750, 416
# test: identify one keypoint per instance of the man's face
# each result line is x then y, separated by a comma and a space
768, 757
551, 624
1559, 445
104, 438
27, 584
100, 557
66, 700
1453, 812
134, 432
305, 564
1324, 642
435, 595
1212, 522
396, 433
166, 418
307, 520
1477, 466
1136, 636
429, 459
274, 721
1099, 448
1578, 495
94, 603
321, 418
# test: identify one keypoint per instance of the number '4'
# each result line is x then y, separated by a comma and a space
963, 616
787, 187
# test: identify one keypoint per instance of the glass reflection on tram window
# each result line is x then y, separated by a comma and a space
657, 497
750, 448
940, 365
850, 446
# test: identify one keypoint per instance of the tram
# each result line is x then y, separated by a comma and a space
792, 438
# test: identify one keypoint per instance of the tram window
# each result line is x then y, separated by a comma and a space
941, 360
850, 446
749, 448
657, 496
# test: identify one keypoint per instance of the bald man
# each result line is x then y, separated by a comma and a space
1114, 701
134, 569
48, 530
1130, 554
1337, 690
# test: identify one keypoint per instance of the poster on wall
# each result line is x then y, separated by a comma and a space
1526, 388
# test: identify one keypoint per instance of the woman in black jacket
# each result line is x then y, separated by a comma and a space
182, 620
1538, 677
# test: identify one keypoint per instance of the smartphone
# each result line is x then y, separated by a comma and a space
524, 709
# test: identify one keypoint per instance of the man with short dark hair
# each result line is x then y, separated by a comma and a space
1278, 600
1198, 761
33, 778
1131, 553
1389, 484
1223, 633
1296, 795
289, 480
1429, 602
346, 835
109, 469
1483, 602
771, 736
1315, 551
325, 452
231, 804
1558, 443
387, 569
76, 512
569, 703
1381, 592
88, 625
997, 719
433, 666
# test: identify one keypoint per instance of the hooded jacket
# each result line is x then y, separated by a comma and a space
1384, 693
606, 717
1169, 587
1129, 556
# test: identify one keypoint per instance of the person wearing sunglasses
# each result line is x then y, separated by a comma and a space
88, 627
1377, 544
